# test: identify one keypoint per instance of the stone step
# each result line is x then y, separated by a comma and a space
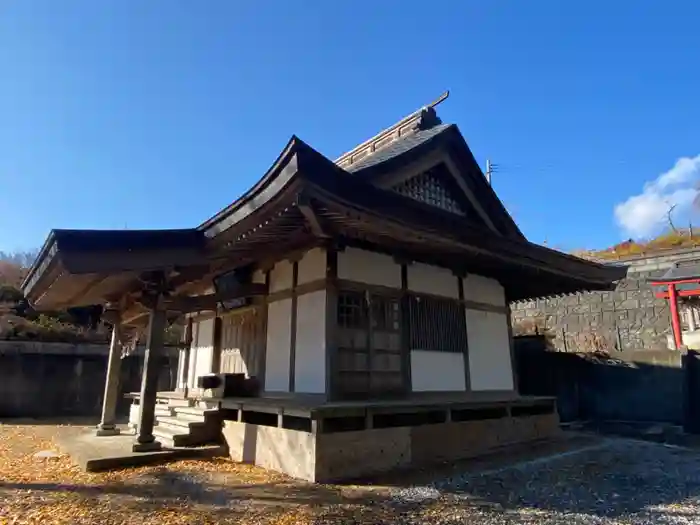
194, 411
177, 423
174, 438
195, 418
179, 402
163, 411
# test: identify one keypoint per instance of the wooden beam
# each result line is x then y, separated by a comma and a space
307, 210
186, 304
224, 262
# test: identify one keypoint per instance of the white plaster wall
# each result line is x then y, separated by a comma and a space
490, 366
310, 350
369, 267
204, 353
312, 266
484, 290
281, 276
279, 334
437, 371
434, 280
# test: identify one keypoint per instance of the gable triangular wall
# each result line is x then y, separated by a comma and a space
435, 166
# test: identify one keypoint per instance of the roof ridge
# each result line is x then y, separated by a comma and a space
423, 118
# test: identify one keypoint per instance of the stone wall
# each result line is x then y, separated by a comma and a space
628, 318
642, 385
43, 380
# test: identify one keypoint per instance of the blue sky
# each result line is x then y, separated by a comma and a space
132, 114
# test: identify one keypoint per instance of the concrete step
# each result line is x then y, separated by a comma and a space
177, 423
194, 412
179, 402
193, 418
163, 411
174, 438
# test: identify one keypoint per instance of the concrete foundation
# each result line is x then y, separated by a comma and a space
93, 453
335, 456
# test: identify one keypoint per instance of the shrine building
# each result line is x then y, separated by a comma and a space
343, 317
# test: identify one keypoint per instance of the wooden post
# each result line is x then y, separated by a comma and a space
107, 426
185, 372
145, 440
217, 347
675, 317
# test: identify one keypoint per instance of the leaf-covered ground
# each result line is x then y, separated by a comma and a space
53, 491
612, 481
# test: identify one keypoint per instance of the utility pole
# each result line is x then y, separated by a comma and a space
490, 169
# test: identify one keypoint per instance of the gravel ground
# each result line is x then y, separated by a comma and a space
619, 481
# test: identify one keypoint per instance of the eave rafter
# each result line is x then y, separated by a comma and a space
316, 224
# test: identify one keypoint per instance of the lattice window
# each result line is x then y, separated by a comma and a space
427, 188
436, 324
369, 345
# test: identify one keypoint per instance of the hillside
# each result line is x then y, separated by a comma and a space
672, 240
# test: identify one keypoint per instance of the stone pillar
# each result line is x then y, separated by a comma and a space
691, 318
145, 440
108, 426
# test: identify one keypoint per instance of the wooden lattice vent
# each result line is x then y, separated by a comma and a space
428, 189
436, 324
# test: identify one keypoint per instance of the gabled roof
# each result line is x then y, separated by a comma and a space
305, 197
398, 147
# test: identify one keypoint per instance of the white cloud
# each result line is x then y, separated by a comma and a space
645, 214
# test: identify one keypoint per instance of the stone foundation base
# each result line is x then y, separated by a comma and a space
325, 457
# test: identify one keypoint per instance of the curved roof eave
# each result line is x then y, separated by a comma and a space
347, 186
258, 194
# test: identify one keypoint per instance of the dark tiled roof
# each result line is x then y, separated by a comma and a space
128, 239
681, 271
397, 147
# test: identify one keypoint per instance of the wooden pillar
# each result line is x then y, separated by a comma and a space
145, 440
108, 423
465, 334
217, 333
331, 321
405, 325
183, 380
293, 331
675, 316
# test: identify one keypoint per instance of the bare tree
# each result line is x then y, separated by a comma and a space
669, 214
14, 266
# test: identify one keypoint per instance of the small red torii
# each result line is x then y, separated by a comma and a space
681, 280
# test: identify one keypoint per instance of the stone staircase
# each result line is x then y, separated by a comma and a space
184, 422
187, 426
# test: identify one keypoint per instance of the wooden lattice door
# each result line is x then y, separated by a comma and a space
242, 342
